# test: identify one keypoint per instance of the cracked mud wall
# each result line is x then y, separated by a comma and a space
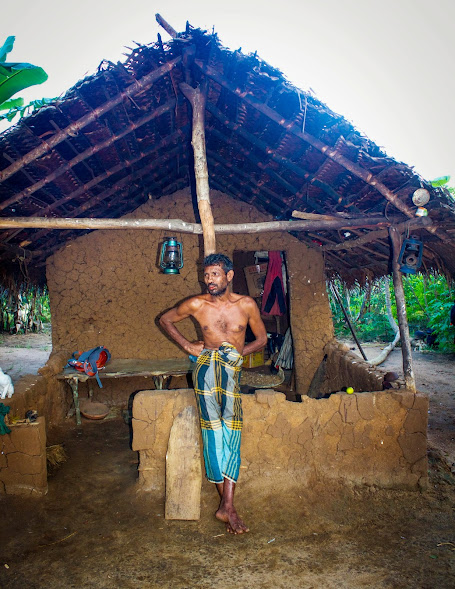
106, 289
373, 439
40, 393
23, 468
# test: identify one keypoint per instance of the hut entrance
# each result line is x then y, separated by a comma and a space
263, 276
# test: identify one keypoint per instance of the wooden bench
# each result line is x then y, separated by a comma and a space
159, 370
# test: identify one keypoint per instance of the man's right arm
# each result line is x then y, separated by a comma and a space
167, 321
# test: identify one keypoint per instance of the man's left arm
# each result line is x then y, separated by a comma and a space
257, 327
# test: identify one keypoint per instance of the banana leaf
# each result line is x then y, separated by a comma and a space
12, 103
439, 181
14, 77
6, 48
17, 108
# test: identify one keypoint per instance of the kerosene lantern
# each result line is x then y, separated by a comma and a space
410, 258
171, 258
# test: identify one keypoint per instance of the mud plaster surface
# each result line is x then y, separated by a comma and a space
114, 298
375, 439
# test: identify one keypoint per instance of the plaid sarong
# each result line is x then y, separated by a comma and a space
216, 384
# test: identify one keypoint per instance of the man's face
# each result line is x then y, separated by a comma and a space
217, 280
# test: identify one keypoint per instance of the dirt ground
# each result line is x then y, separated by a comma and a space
92, 530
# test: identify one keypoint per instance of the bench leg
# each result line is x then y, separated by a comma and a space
158, 381
74, 382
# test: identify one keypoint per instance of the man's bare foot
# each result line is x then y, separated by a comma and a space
234, 525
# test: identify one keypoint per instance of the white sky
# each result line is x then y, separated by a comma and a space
386, 65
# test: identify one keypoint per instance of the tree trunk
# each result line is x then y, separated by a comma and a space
380, 358
365, 303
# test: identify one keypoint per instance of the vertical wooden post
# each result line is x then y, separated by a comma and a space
401, 312
197, 99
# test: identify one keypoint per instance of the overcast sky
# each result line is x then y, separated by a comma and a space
386, 65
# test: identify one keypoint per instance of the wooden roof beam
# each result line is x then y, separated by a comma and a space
98, 179
415, 223
240, 191
184, 227
235, 146
233, 173
279, 159
164, 108
135, 88
118, 186
69, 233
328, 151
166, 26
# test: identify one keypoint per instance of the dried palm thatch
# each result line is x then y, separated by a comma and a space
123, 136
55, 456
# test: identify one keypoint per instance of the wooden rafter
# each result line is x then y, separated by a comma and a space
255, 161
184, 227
86, 206
94, 149
272, 155
50, 143
228, 169
111, 190
416, 223
328, 151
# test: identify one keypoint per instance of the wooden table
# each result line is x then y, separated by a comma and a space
159, 370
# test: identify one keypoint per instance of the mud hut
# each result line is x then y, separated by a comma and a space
91, 186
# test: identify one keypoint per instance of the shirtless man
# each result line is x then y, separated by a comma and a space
223, 317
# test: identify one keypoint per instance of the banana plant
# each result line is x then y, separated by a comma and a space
15, 76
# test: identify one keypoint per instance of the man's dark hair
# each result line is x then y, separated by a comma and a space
219, 260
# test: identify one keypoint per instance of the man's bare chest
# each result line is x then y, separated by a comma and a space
228, 320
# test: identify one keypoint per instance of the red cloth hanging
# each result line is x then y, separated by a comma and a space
274, 299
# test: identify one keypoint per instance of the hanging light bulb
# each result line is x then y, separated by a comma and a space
420, 197
171, 258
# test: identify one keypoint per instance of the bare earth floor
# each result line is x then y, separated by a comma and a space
93, 530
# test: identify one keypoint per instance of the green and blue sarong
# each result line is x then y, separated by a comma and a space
216, 384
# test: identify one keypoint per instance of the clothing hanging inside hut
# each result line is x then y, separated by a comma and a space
273, 299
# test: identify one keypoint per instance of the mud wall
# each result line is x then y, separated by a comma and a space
40, 393
106, 289
23, 468
346, 369
374, 439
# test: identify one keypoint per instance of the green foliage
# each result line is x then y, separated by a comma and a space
12, 103
428, 304
24, 110
6, 48
25, 310
441, 181
15, 76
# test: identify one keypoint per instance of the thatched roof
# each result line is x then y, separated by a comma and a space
123, 135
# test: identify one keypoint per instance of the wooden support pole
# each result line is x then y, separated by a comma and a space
197, 100
401, 311
166, 26
184, 227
